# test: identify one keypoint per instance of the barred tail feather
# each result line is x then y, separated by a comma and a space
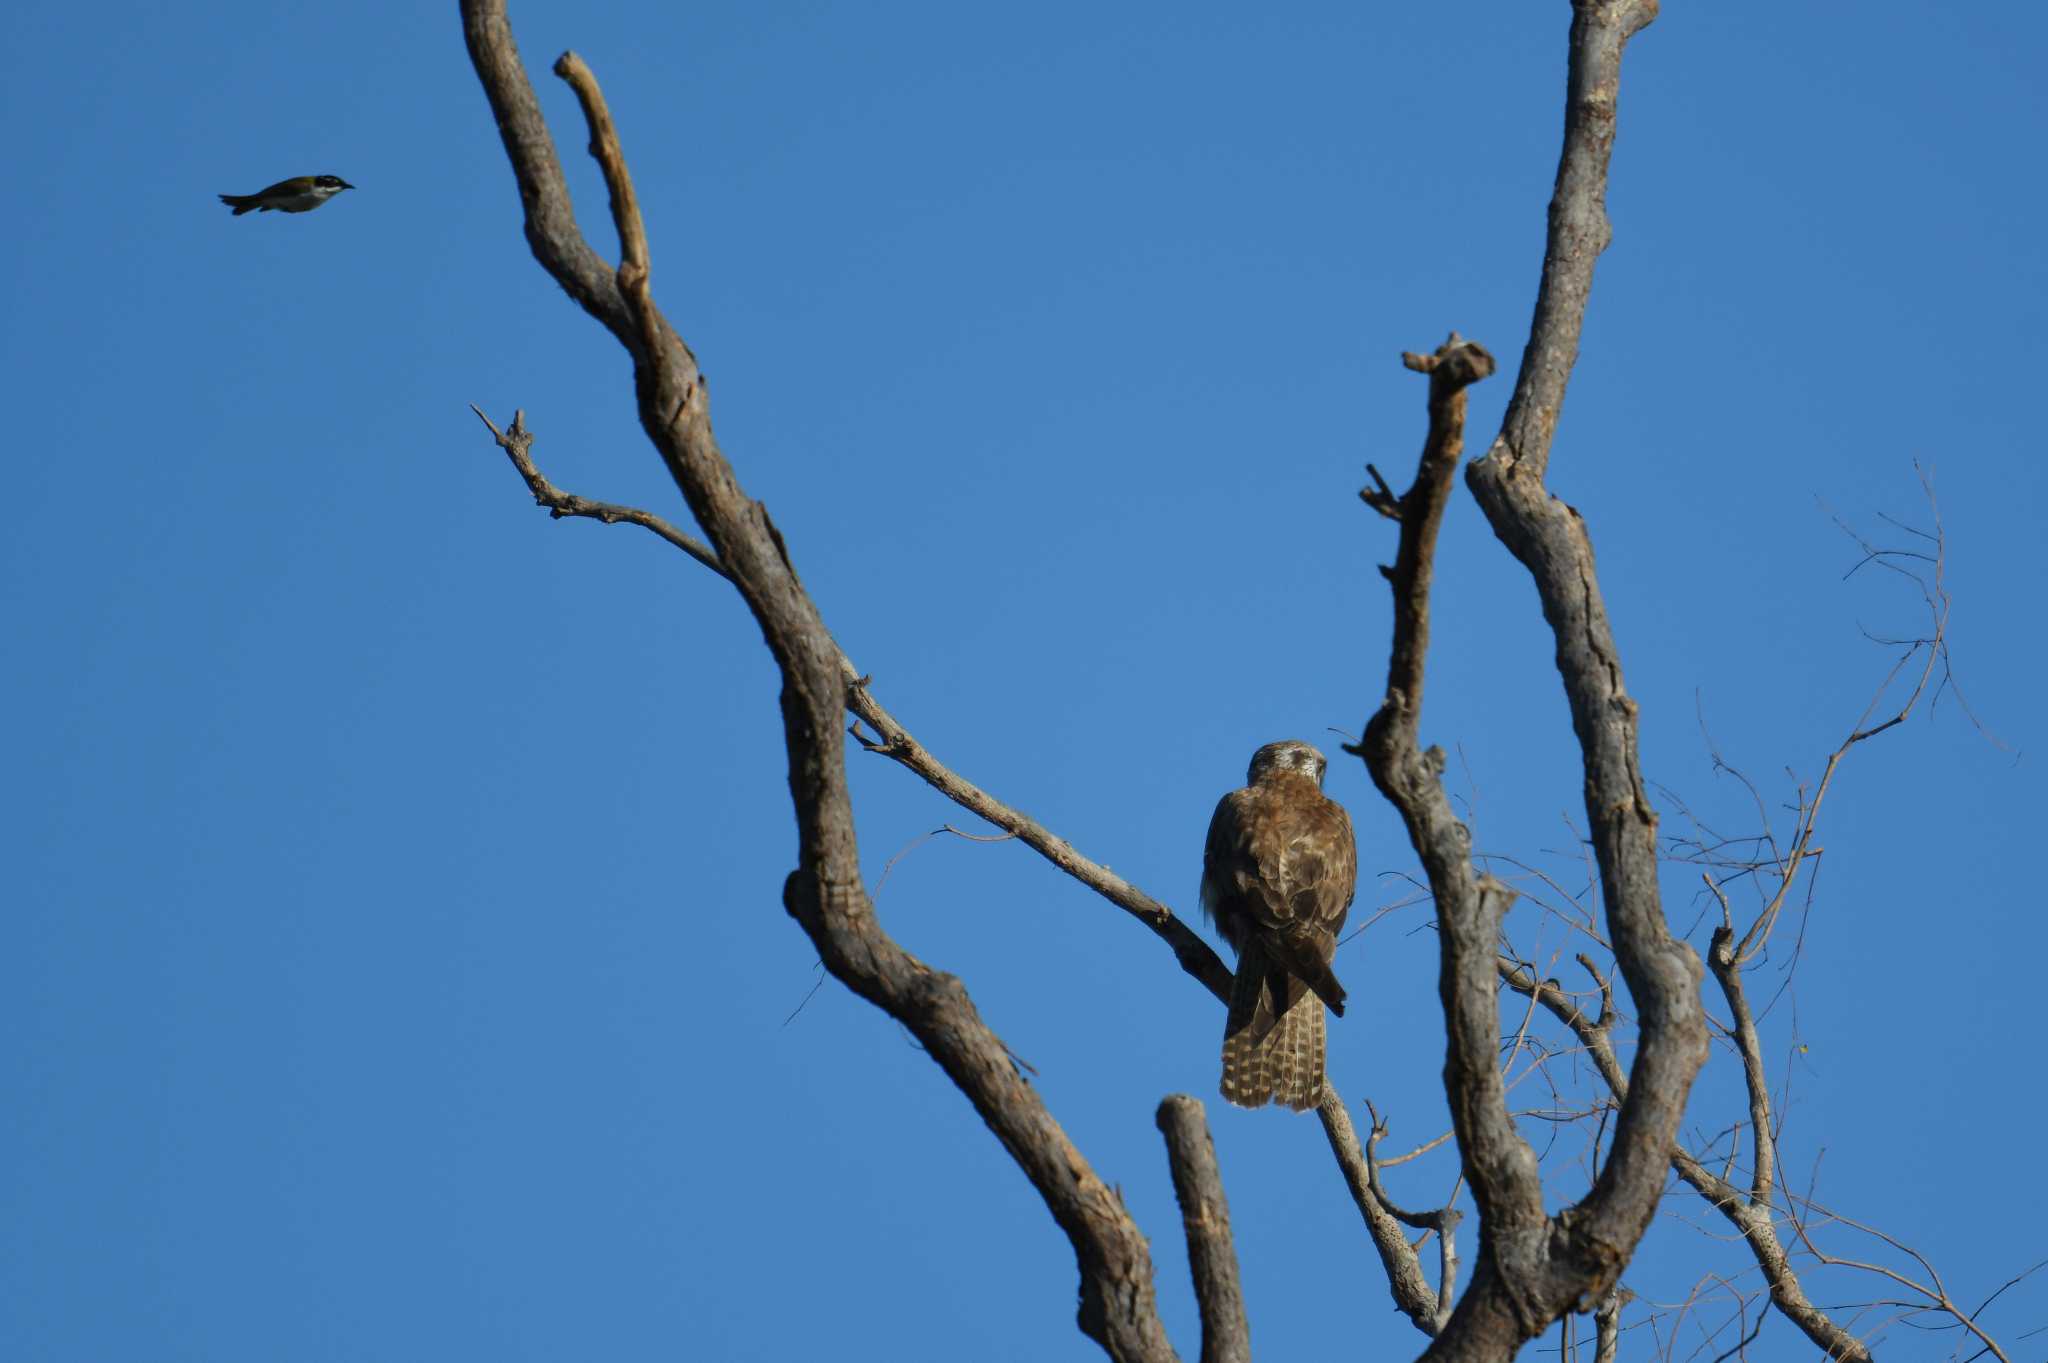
1279, 1062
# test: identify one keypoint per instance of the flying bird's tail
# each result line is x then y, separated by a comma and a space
1273, 1044
241, 203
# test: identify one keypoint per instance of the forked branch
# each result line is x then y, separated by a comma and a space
824, 893
1533, 1268
887, 737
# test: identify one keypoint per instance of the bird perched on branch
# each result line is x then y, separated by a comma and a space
1277, 878
300, 194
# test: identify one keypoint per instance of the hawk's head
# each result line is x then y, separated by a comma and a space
1288, 755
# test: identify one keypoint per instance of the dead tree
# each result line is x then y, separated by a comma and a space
1528, 1267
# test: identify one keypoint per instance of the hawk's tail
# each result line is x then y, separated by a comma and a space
1267, 1060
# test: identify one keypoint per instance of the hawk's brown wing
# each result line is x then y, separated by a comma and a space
1279, 871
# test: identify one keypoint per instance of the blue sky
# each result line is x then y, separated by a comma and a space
393, 964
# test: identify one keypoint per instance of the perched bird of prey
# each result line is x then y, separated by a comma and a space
301, 194
1277, 878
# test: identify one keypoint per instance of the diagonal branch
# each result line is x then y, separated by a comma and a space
1404, 1274
517, 442
551, 230
1579, 230
1412, 1294
1444, 1221
891, 739
1935, 644
824, 893
1411, 1291
1752, 1220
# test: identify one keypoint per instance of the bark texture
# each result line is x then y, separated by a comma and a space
1205, 1216
825, 891
1531, 1267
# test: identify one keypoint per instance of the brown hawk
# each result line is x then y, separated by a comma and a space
1277, 879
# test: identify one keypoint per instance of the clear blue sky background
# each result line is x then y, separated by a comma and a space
392, 964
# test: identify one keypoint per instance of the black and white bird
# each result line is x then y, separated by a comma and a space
300, 194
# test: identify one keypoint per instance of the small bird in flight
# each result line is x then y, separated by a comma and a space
300, 194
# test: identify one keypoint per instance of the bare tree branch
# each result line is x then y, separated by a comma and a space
1607, 1325
1933, 1291
1531, 1268
1412, 1294
1205, 1215
824, 893
1411, 1291
1593, 1239
1754, 1223
891, 739
1579, 230
1753, 1212
517, 442
1444, 1221
1934, 646
1498, 1163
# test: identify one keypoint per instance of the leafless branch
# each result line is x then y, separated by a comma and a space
1444, 1221
1933, 1294
1607, 1324
1199, 960
1498, 1163
1595, 1237
1212, 1256
1412, 1294
517, 442
825, 893
1532, 1268
921, 839
895, 742
1741, 1348
891, 739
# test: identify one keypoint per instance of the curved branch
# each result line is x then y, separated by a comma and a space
824, 893
1404, 1274
1444, 1221
1593, 1239
551, 230
1412, 1294
1498, 1162
892, 740
517, 442
1531, 1268
1751, 1219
